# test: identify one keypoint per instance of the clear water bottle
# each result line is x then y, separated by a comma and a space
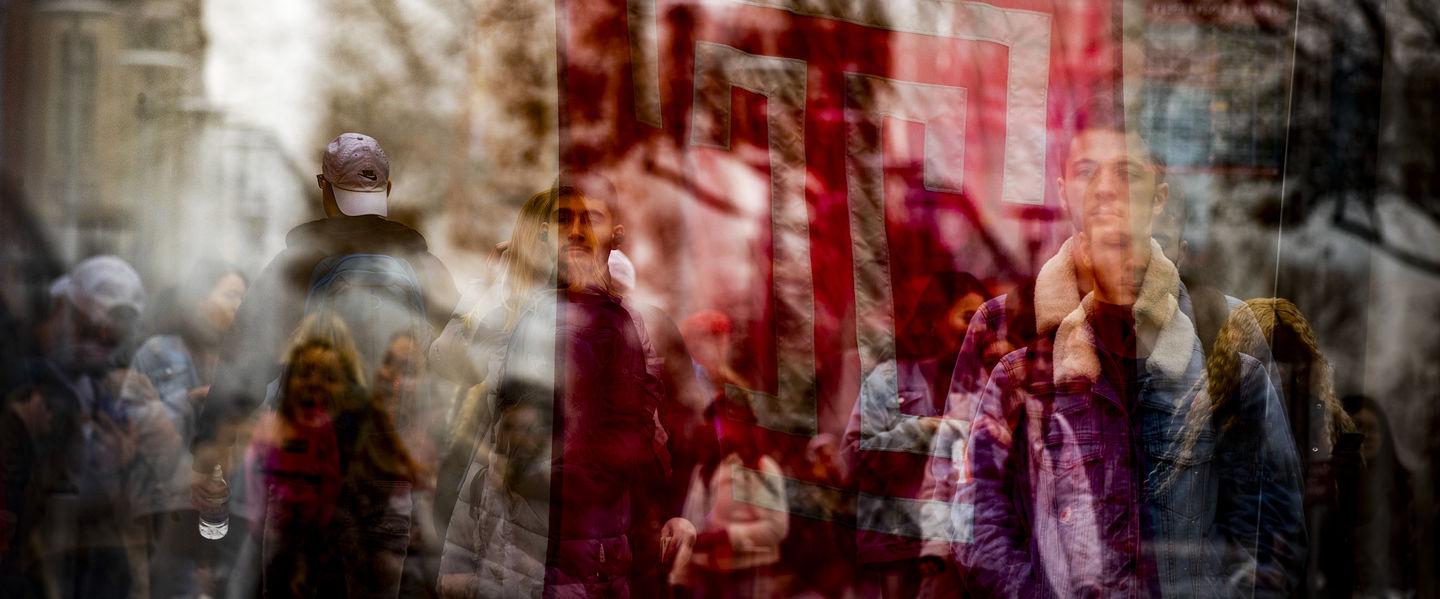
214, 506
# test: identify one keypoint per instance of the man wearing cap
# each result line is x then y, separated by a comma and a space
355, 188
73, 535
356, 177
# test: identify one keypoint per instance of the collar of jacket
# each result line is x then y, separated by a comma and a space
355, 234
1058, 305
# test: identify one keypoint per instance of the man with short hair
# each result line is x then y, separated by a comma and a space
1000, 326
84, 437
576, 475
355, 188
1097, 467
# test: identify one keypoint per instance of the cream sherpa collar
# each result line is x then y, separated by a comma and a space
1058, 304
1057, 291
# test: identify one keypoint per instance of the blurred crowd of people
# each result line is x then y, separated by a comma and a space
349, 423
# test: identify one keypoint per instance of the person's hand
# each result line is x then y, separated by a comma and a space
206, 494
459, 586
677, 541
198, 394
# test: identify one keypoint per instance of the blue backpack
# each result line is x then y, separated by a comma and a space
377, 296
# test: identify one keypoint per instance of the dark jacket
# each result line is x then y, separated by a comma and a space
22, 500
79, 466
944, 481
275, 304
566, 512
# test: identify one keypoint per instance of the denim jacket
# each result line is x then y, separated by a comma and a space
1078, 492
888, 443
159, 478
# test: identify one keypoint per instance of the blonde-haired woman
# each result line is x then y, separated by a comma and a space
574, 380
329, 479
1274, 331
473, 342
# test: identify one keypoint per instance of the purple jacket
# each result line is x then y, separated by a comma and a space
1081, 491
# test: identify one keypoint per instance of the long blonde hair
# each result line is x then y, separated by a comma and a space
1280, 321
529, 263
1277, 317
332, 329
1251, 330
526, 265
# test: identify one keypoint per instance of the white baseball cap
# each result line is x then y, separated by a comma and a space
359, 174
99, 285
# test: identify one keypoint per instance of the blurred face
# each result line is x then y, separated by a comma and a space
584, 233
398, 372
734, 436
317, 379
1168, 233
219, 306
957, 321
36, 414
1113, 193
80, 343
1117, 263
710, 349
1369, 423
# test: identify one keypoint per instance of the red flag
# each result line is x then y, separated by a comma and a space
803, 167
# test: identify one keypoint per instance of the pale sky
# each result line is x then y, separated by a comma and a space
262, 67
